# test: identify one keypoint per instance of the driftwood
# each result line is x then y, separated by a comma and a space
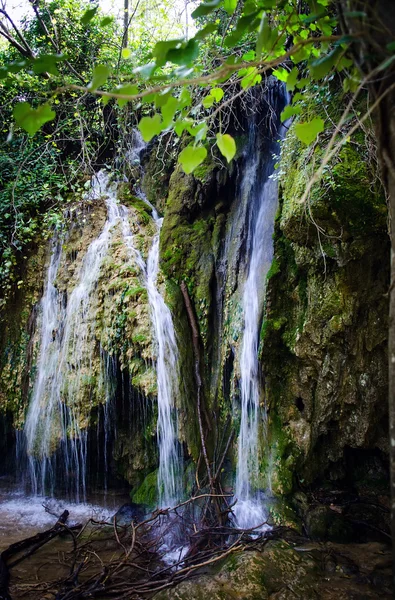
126, 562
30, 545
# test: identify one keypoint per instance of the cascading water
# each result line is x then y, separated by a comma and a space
262, 204
167, 373
169, 481
67, 345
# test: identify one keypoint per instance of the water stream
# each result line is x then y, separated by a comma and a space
259, 186
54, 436
52, 429
167, 372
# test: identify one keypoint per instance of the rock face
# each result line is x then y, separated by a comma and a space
282, 571
324, 336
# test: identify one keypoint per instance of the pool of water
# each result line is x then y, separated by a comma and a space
22, 516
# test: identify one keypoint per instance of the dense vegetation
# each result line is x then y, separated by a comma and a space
76, 86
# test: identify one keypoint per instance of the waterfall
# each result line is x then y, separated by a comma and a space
169, 483
67, 347
53, 428
260, 189
167, 372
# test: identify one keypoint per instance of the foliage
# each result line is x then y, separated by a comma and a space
70, 84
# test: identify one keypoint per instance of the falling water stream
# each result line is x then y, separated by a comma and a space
169, 473
67, 345
66, 352
56, 439
262, 196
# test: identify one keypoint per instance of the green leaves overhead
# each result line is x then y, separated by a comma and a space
191, 157
206, 8
230, 6
207, 30
320, 67
308, 132
100, 75
226, 145
127, 90
88, 15
289, 111
47, 63
184, 55
32, 119
150, 127
246, 23
176, 51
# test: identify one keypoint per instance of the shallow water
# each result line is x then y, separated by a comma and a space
22, 516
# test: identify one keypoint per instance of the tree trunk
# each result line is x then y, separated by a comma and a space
125, 24
378, 30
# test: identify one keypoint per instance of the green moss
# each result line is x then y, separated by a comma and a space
284, 455
274, 268
147, 492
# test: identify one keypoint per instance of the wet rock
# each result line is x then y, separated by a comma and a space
282, 571
130, 512
323, 523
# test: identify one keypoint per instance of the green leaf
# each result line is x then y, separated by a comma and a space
46, 63
386, 63
354, 14
289, 111
217, 93
230, 6
227, 145
162, 48
292, 79
205, 8
100, 75
88, 15
308, 132
126, 52
203, 33
106, 21
319, 68
245, 23
199, 132
208, 101
146, 71
296, 97
169, 110
150, 127
391, 46
127, 90
281, 74
182, 124
161, 98
30, 119
185, 98
184, 55
251, 78
314, 17
264, 35
191, 157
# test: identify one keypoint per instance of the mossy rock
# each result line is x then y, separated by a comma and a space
253, 576
147, 493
